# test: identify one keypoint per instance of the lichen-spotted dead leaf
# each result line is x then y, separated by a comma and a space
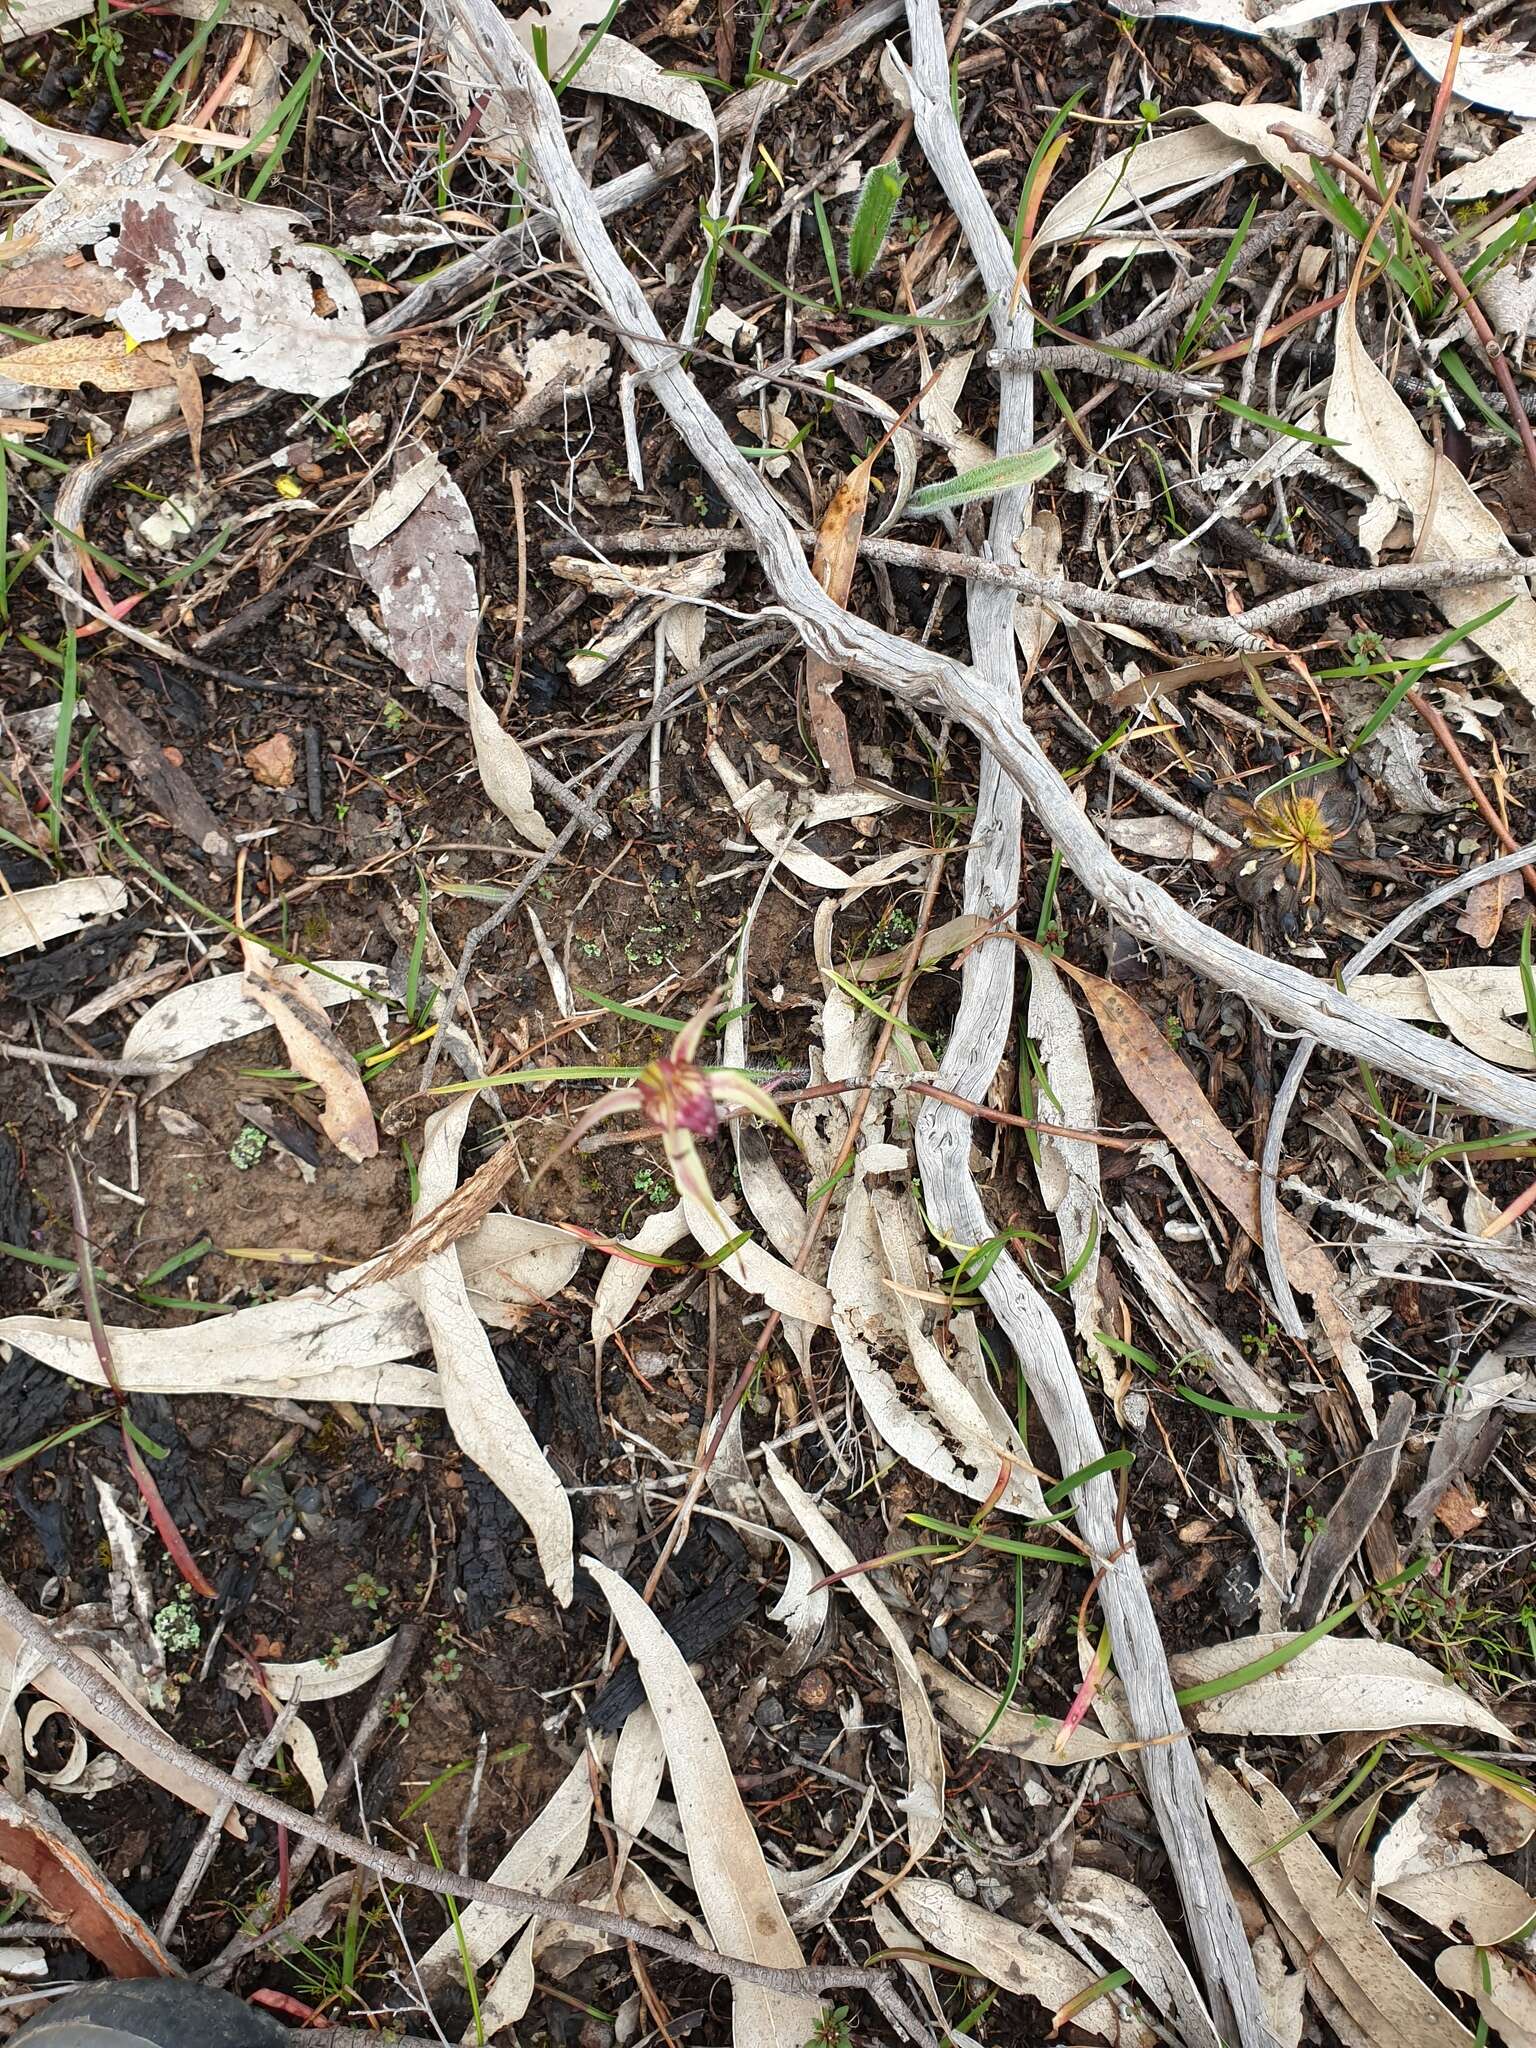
318, 1054
1014, 1957
414, 548
487, 1423
1171, 1096
725, 1859
35, 917
1376, 432
1347, 1958
924, 1802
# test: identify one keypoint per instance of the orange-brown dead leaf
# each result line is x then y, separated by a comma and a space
104, 360
833, 564
1172, 1097
319, 1055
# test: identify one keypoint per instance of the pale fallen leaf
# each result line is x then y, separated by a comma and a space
1174, 1100
346, 1116
1121, 1920
1346, 1957
1179, 163
1334, 1686
81, 1775
20, 19
643, 596
543, 1853
556, 368
776, 818
324, 1678
924, 1802
634, 1781
1250, 17
873, 1333
1032, 1738
1376, 432
1067, 1169
936, 408
219, 1011
1490, 74
35, 917
1016, 1958
623, 1280
338, 1341
1471, 1899
1486, 905
488, 1426
1160, 838
504, 769
1505, 169
740, 1905
1501, 1985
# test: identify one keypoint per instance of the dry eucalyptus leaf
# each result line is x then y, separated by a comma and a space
1378, 434
106, 361
487, 1423
1337, 1685
318, 1054
1490, 74
1032, 1738
323, 1678
924, 1803
543, 1853
1014, 1957
35, 917
1120, 1919
1346, 1957
504, 769
725, 1860
624, 1280
219, 1011
1501, 1985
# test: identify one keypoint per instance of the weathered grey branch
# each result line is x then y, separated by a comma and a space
921, 673
121, 1711
981, 1033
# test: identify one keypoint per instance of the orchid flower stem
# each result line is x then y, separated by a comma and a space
748, 1373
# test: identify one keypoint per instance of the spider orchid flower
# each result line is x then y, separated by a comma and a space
684, 1102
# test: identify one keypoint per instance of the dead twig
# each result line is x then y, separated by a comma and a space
114, 1707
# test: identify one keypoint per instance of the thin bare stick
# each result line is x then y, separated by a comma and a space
924, 673
980, 1037
122, 1713
255, 1756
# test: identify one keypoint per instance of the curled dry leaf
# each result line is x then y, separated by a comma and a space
1336, 1685
740, 1905
504, 768
1349, 1963
924, 1803
554, 369
1483, 1007
220, 1011
1028, 1964
40, 1855
546, 1850
346, 1117
35, 917
776, 819
487, 1423
1378, 434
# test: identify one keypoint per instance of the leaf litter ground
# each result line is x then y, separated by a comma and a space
385, 796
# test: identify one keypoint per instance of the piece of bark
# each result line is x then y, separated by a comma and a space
167, 787
1365, 1494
